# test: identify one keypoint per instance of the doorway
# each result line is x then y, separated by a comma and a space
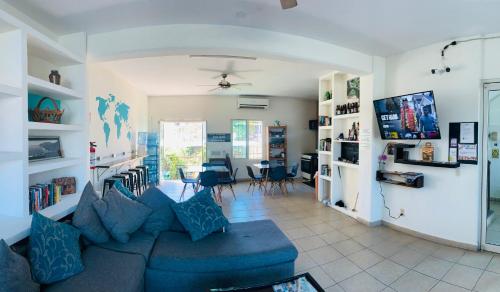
491, 167
183, 145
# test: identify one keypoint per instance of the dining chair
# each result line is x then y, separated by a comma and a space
254, 180
290, 177
226, 181
264, 171
187, 181
277, 177
210, 179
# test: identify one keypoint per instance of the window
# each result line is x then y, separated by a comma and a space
247, 139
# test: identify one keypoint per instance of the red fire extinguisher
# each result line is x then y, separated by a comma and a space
93, 146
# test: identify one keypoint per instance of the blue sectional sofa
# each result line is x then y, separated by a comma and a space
247, 254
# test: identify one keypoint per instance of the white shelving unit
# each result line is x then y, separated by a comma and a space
325, 132
25, 64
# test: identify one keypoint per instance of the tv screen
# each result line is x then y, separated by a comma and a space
411, 116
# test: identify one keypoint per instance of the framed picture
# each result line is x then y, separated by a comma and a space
353, 88
43, 148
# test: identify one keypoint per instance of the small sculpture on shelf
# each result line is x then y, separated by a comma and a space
354, 132
428, 152
55, 77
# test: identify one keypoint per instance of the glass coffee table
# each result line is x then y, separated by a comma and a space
299, 283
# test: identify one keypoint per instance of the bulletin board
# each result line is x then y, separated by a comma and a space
463, 142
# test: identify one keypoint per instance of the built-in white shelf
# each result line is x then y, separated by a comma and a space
52, 164
346, 116
325, 152
10, 156
345, 141
53, 127
345, 164
325, 127
51, 51
45, 88
346, 211
9, 91
325, 177
326, 102
14, 229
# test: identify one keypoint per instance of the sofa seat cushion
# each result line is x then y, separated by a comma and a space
105, 270
140, 243
243, 246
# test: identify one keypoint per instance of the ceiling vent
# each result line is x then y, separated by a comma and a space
253, 102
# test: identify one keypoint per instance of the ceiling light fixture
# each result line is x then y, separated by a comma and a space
287, 4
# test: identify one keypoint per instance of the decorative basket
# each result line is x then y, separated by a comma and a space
52, 116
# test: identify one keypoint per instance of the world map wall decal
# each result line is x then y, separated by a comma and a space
119, 115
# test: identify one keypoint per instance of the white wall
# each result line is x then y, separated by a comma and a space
103, 82
218, 111
449, 204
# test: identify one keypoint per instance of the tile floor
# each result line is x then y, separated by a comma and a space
344, 255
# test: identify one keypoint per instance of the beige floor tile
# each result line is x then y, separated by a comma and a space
309, 243
321, 277
368, 239
463, 276
335, 288
348, 247
321, 228
387, 248
434, 267
446, 287
324, 255
365, 258
494, 265
341, 269
354, 230
334, 236
447, 253
489, 282
414, 282
387, 271
478, 260
362, 282
300, 232
304, 262
408, 257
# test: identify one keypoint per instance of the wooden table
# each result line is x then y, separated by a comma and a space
221, 171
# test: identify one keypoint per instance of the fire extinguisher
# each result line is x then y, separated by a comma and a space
93, 146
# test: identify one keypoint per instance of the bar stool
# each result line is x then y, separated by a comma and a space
123, 178
146, 174
108, 184
139, 180
132, 176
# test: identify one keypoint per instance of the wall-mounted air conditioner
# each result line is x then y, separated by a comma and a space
253, 102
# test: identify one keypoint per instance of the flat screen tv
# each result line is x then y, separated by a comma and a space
411, 117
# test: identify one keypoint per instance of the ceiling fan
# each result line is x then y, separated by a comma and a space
225, 84
286, 4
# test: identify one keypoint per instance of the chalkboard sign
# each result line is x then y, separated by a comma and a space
219, 137
463, 142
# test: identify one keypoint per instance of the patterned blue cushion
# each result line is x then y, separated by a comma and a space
123, 190
54, 250
200, 215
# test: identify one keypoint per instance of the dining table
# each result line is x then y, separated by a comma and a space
221, 170
264, 168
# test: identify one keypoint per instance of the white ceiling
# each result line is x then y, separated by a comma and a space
181, 75
380, 27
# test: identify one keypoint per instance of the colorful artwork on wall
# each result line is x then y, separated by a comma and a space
113, 112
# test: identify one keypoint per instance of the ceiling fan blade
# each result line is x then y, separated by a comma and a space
286, 4
211, 70
214, 89
211, 85
241, 84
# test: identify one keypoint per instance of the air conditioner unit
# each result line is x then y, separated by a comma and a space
252, 102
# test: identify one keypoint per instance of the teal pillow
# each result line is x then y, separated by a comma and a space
54, 250
121, 216
162, 215
200, 215
123, 190
15, 272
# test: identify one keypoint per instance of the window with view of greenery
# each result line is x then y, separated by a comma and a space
247, 139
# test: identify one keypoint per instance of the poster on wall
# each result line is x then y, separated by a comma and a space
463, 142
219, 137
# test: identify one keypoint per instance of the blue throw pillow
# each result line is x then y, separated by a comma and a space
54, 250
15, 272
86, 219
121, 216
123, 190
200, 215
162, 216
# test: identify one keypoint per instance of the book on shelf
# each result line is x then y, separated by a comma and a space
42, 196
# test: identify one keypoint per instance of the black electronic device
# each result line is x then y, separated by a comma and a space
313, 124
349, 152
406, 179
401, 156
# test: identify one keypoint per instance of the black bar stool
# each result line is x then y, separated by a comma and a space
146, 175
132, 176
108, 184
124, 179
140, 180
